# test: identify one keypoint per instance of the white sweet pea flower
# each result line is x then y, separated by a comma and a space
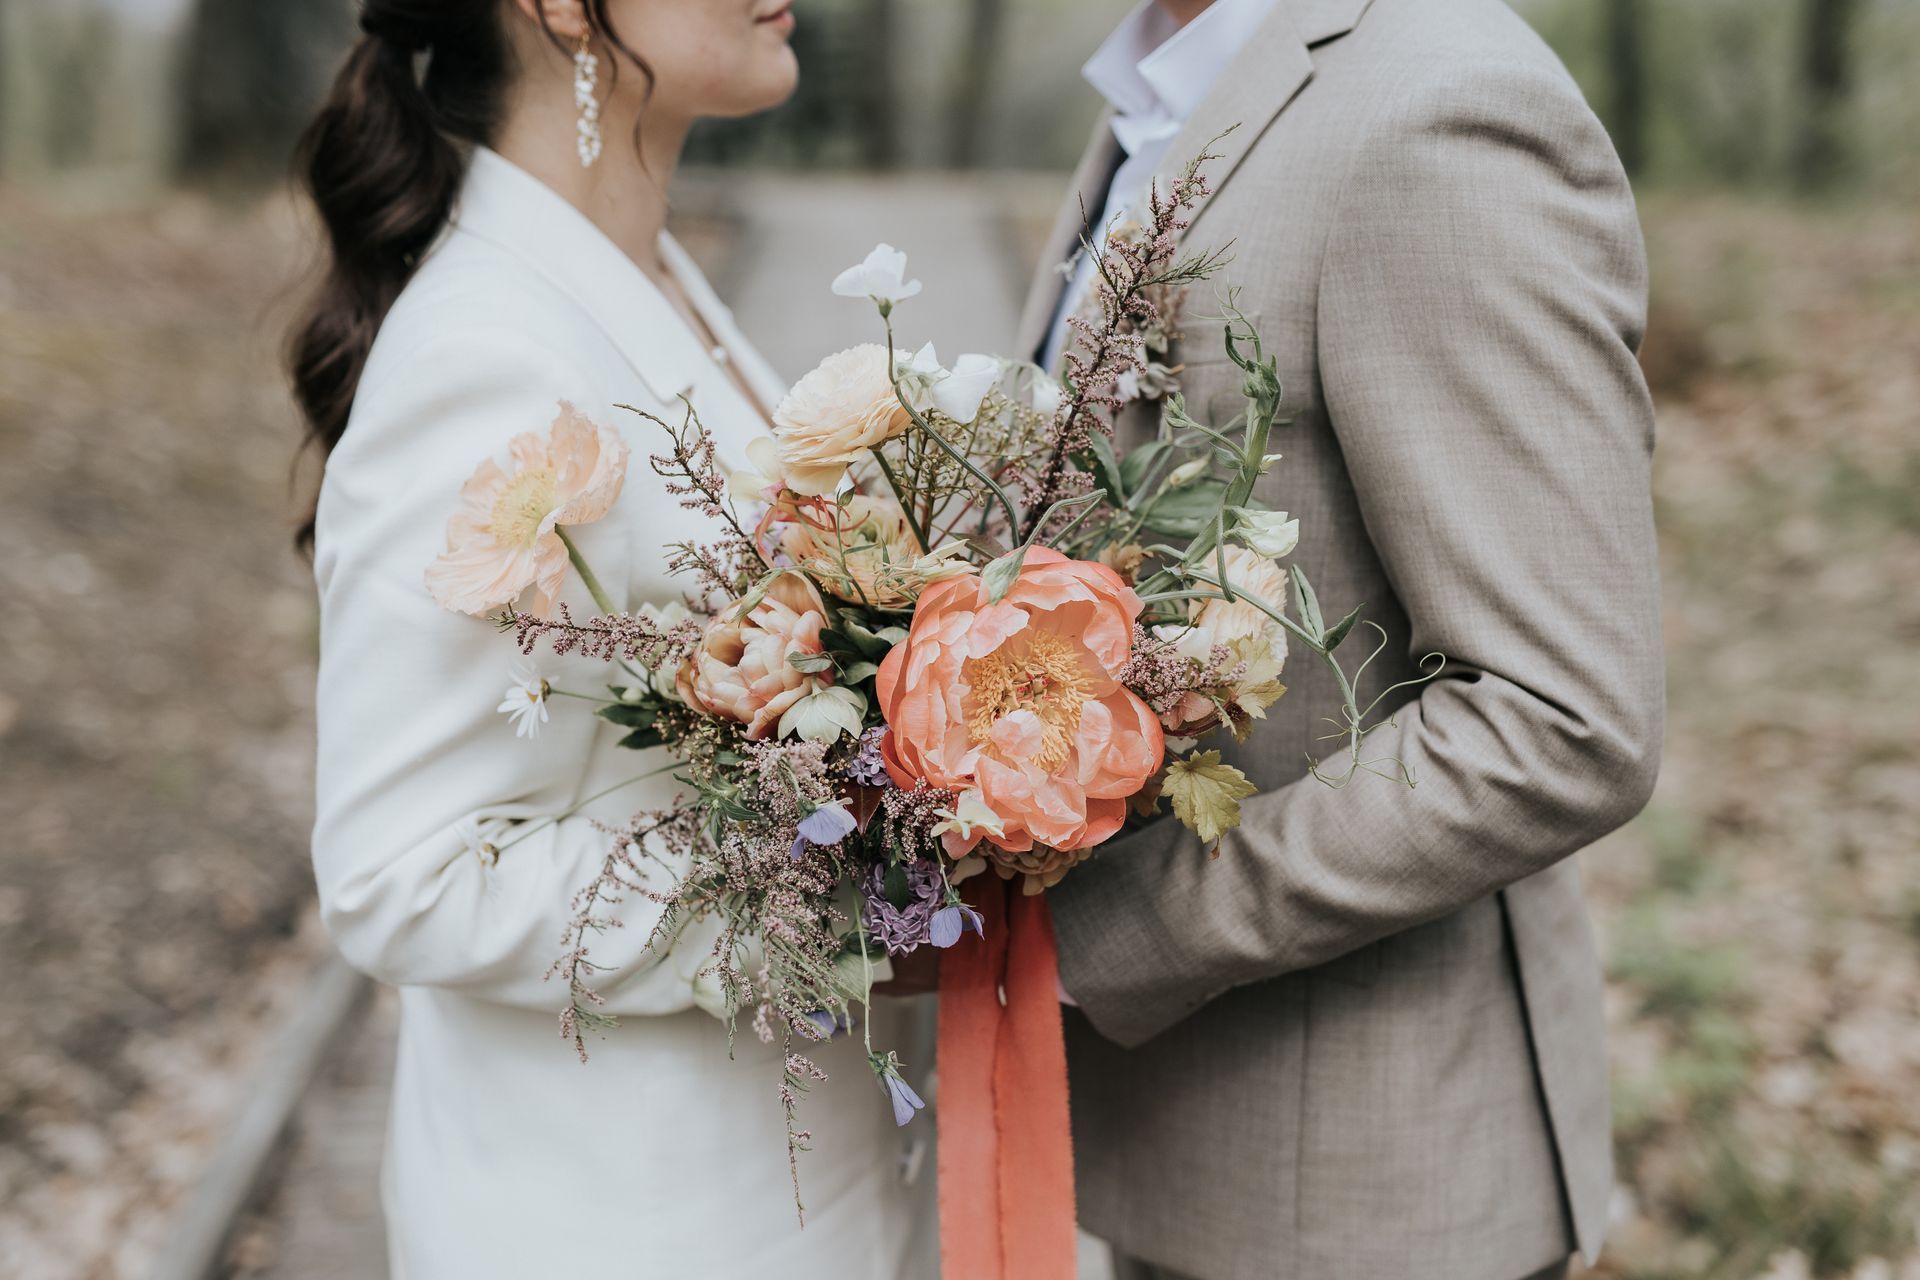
960, 393
1269, 533
825, 714
1186, 473
762, 484
1127, 385
525, 701
1188, 641
1047, 394
881, 277
942, 563
970, 818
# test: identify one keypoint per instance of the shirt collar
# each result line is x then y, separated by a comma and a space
1149, 70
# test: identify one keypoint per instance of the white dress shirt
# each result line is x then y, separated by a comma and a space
1153, 73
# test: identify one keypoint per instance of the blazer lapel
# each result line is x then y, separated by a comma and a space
1256, 86
1085, 198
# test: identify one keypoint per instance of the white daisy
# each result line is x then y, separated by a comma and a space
525, 701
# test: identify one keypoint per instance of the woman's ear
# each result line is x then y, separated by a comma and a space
566, 19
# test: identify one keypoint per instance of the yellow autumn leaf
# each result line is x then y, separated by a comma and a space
1206, 794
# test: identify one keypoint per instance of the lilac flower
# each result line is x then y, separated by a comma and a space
829, 824
901, 927
900, 1093
866, 768
949, 922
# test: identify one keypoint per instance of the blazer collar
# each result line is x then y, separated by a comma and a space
508, 207
1256, 86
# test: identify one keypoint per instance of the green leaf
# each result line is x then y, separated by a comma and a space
860, 640
1138, 462
1307, 605
856, 672
897, 889
1341, 628
641, 739
1000, 576
1206, 794
1106, 467
1186, 513
811, 663
629, 715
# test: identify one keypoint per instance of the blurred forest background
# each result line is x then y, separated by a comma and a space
1761, 920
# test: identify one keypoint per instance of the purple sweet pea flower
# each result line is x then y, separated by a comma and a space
799, 849
950, 922
825, 1023
905, 1100
829, 824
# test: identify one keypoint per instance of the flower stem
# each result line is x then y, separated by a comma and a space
582, 803
594, 589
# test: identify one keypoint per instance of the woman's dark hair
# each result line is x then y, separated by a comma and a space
383, 161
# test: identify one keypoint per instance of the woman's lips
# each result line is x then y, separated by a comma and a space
780, 19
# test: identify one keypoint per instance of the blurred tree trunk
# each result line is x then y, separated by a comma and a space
255, 71
1627, 82
879, 141
1826, 77
984, 21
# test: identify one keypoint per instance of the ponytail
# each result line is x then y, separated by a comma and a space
382, 164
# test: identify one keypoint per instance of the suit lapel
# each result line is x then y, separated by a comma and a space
1256, 87
1085, 198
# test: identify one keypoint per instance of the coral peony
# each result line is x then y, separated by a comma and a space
741, 670
502, 539
1021, 700
843, 408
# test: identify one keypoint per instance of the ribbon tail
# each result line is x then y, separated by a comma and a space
970, 1029
1006, 1139
1030, 1080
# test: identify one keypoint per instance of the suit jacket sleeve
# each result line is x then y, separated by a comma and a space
1482, 299
415, 766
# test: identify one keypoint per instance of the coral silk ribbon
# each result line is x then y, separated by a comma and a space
1006, 1142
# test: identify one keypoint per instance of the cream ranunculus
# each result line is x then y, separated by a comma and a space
741, 670
843, 408
1248, 570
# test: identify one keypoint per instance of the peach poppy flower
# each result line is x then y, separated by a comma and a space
502, 540
1022, 701
741, 672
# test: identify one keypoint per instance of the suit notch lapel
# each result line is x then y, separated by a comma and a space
1256, 86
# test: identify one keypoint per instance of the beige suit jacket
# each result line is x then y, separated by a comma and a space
1366, 1042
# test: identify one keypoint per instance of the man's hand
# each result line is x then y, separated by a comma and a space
914, 974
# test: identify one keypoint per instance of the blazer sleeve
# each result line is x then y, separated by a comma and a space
1482, 300
415, 766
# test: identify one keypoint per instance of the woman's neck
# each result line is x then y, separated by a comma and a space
624, 193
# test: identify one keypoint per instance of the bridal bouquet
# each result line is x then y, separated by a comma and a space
944, 643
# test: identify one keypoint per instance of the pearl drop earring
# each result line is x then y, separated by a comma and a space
586, 83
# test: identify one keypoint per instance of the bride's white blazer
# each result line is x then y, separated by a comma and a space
507, 1156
